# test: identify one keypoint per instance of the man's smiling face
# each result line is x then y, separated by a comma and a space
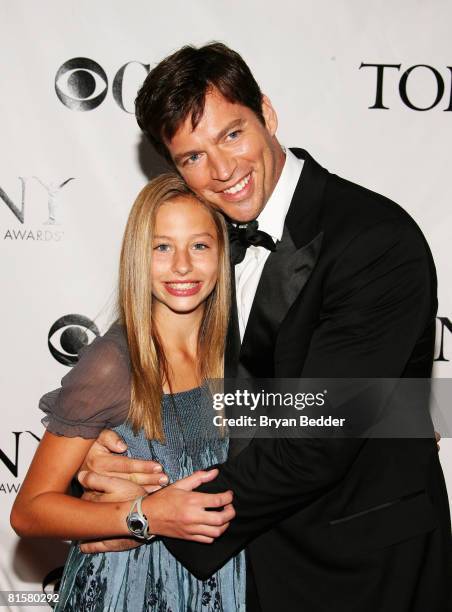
231, 159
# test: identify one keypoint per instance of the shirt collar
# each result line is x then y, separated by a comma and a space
273, 215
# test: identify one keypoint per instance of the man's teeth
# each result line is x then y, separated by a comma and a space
238, 186
182, 286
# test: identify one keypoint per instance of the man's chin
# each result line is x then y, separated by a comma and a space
240, 212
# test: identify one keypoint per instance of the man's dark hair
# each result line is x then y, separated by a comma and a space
176, 88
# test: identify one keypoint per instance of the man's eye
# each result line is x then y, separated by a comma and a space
234, 135
192, 158
162, 248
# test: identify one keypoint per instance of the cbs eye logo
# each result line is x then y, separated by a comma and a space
81, 84
69, 335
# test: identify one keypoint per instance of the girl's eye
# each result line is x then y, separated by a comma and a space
200, 246
162, 248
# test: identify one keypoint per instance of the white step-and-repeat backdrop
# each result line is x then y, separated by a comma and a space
365, 87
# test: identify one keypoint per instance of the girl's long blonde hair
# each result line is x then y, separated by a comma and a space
148, 362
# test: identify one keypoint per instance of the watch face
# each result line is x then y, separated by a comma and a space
135, 523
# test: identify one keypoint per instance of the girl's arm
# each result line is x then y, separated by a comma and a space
96, 392
42, 507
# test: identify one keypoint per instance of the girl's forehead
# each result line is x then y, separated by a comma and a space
184, 215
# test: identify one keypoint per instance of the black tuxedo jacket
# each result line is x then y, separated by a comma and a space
334, 525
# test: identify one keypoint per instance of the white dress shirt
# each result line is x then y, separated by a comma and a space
271, 220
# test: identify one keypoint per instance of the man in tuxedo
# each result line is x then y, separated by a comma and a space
333, 281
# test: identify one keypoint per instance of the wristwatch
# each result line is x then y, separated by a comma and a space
137, 522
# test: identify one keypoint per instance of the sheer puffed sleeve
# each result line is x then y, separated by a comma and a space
95, 394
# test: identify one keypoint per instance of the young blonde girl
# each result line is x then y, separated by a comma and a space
143, 379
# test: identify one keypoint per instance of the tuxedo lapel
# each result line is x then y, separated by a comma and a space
304, 218
232, 352
285, 273
286, 270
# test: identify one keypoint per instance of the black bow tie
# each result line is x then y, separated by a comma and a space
244, 235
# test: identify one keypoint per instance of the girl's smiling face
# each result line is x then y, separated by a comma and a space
185, 257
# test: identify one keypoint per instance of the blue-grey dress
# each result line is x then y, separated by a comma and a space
147, 577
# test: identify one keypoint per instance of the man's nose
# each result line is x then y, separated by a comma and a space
222, 166
182, 262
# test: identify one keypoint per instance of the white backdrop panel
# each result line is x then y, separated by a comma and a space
305, 54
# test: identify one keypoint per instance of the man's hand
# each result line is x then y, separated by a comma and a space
102, 459
113, 545
100, 488
175, 511
437, 438
179, 512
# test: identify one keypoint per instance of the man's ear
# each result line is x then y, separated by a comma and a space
270, 116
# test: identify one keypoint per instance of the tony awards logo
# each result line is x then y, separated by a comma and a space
10, 459
443, 325
420, 87
49, 196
